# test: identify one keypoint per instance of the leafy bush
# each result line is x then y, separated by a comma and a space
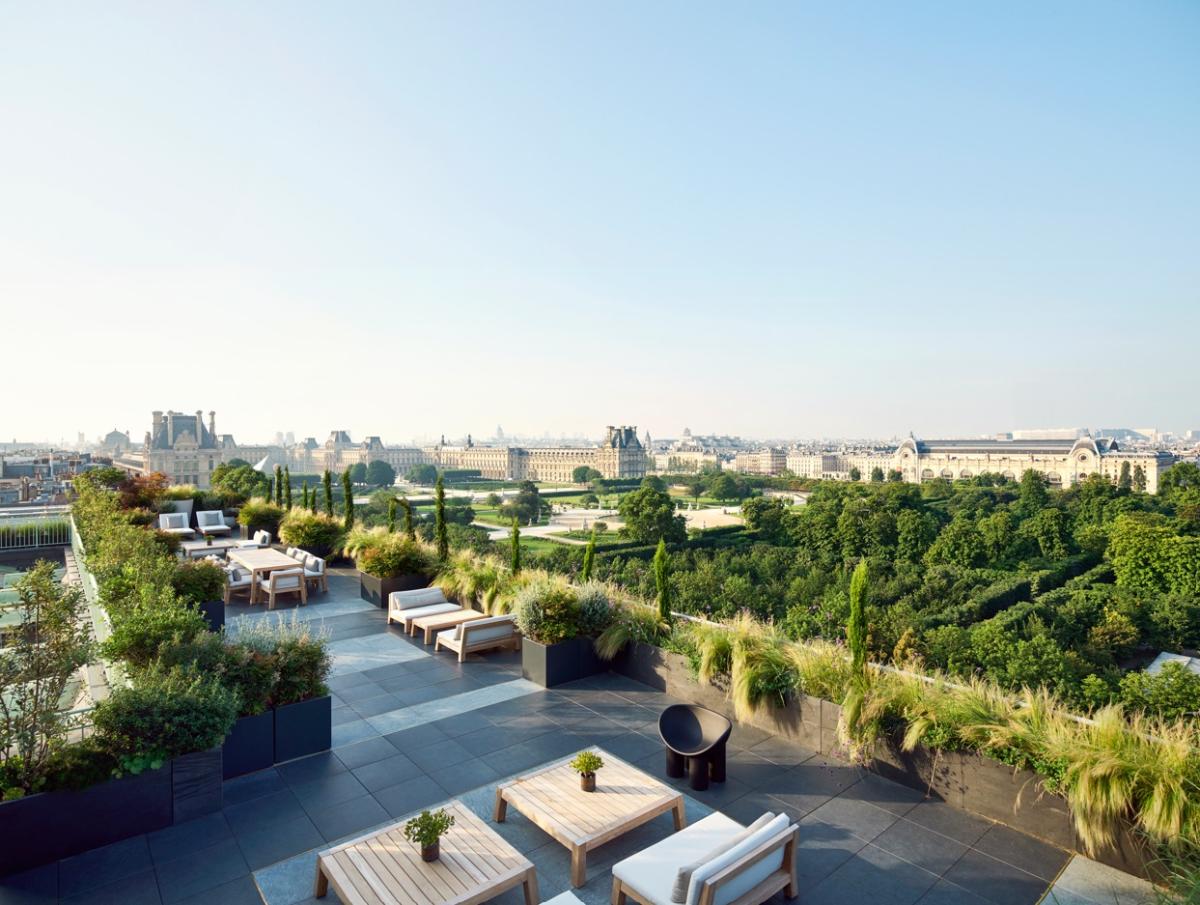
595, 606
1172, 693
138, 635
547, 611
315, 532
259, 515
252, 674
298, 661
166, 714
385, 555
199, 581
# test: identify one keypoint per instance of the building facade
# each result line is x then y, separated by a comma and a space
1063, 462
182, 447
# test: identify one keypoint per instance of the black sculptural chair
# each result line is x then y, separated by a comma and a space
695, 737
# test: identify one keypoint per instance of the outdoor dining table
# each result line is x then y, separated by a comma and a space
261, 561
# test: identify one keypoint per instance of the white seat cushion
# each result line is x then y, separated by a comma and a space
492, 629
431, 610
449, 636
651, 872
406, 600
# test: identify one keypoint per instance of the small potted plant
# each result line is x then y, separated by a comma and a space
208, 539
426, 830
586, 763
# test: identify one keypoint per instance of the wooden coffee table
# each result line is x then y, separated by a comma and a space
436, 622
197, 548
624, 799
384, 867
261, 561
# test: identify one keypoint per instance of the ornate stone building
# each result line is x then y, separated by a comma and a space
1063, 462
182, 447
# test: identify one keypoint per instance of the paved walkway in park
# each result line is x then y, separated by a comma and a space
412, 729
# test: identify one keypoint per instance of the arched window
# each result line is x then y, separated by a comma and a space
965, 473
947, 473
927, 474
1054, 477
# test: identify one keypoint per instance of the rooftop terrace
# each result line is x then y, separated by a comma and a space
413, 729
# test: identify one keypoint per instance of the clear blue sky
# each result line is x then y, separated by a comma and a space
769, 219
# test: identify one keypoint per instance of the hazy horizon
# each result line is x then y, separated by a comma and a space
775, 221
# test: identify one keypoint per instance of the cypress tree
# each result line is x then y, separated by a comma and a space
287, 487
305, 497
1125, 481
327, 484
278, 486
662, 583
1139, 479
856, 630
271, 491
409, 530
312, 501
348, 490
391, 522
589, 557
439, 524
515, 555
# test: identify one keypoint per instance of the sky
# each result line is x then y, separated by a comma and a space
767, 219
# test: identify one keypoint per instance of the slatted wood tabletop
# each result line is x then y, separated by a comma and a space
384, 868
436, 622
624, 799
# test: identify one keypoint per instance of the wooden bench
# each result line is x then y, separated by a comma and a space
438, 622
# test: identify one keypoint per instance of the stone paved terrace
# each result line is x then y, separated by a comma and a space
412, 729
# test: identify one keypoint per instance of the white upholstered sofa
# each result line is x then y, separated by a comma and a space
405, 606
723, 863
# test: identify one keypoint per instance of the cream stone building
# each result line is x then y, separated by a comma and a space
620, 456
181, 447
1063, 462
768, 461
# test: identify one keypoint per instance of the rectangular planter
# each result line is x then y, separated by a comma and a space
249, 746
43, 828
377, 590
555, 664
304, 728
213, 612
196, 784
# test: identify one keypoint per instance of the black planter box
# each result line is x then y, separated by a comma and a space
213, 612
377, 590
196, 785
249, 746
43, 828
303, 728
554, 664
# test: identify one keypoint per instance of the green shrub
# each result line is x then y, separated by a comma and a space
199, 581
252, 674
317, 533
594, 602
385, 555
139, 633
1172, 693
297, 661
547, 611
165, 714
259, 515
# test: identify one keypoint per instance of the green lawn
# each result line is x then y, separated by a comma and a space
605, 537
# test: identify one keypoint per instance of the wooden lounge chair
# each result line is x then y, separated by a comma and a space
314, 571
237, 580
723, 862
480, 635
284, 581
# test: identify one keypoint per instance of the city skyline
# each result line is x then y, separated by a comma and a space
845, 221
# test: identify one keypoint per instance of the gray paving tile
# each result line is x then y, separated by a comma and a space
444, 753
861, 818
365, 752
943, 892
918, 845
883, 793
410, 795
241, 891
377, 705
996, 881
260, 813
139, 889
279, 841
103, 866
348, 817
327, 791
782, 751
387, 772
36, 886
351, 732
822, 850
471, 721
1029, 854
873, 876
465, 776
199, 871
306, 769
191, 835
360, 692
407, 740
942, 818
